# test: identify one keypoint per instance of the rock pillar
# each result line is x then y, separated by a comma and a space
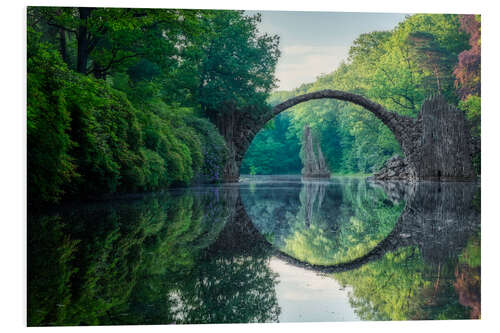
314, 165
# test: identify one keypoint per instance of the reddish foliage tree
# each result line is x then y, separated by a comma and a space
468, 69
468, 288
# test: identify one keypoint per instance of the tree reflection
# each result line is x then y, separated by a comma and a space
230, 283
228, 290
468, 277
202, 255
423, 260
88, 264
334, 222
435, 272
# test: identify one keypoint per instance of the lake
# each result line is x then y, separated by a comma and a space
266, 249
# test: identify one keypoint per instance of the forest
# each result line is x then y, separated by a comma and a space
131, 100
125, 100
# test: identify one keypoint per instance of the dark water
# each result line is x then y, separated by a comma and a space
267, 249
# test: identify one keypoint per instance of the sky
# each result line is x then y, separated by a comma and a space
315, 43
306, 296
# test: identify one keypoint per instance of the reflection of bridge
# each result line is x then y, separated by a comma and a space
438, 218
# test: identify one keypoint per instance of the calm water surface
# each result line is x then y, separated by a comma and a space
268, 249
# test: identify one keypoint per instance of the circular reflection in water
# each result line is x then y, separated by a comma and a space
321, 222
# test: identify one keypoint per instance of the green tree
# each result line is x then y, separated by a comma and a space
121, 88
237, 64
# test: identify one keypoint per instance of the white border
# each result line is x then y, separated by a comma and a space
13, 166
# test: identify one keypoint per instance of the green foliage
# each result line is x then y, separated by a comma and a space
341, 220
214, 152
275, 138
177, 144
472, 107
101, 143
237, 65
471, 255
131, 119
48, 294
50, 166
107, 134
97, 267
99, 41
401, 286
364, 218
383, 289
322, 223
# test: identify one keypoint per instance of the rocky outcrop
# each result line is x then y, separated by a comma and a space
314, 165
395, 168
440, 150
321, 160
444, 151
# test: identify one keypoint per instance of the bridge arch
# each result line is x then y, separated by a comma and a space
394, 121
389, 244
436, 144
401, 126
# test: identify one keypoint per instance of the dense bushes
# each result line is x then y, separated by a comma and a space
86, 138
48, 122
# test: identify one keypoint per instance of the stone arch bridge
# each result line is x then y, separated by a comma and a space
436, 144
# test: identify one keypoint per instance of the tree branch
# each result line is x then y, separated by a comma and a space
115, 61
62, 27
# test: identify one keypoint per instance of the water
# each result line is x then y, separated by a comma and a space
265, 250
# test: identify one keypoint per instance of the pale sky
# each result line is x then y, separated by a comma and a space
306, 296
314, 43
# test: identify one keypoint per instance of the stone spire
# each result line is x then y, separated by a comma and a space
314, 166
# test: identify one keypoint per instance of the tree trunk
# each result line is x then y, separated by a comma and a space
99, 72
436, 73
62, 46
226, 123
83, 40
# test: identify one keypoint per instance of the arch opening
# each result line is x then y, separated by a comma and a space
249, 129
275, 149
